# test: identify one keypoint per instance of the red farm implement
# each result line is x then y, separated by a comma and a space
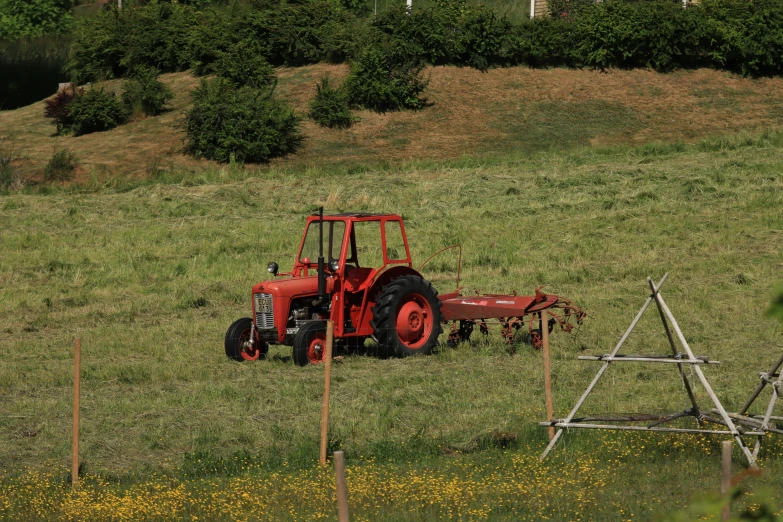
364, 281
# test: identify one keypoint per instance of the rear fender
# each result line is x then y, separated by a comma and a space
374, 287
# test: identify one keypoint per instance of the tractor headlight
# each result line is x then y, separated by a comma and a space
272, 268
334, 266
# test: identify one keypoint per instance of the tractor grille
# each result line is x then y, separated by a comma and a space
265, 316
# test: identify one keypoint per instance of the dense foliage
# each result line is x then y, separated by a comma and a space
746, 37
244, 124
451, 32
33, 18
145, 94
115, 42
244, 65
386, 77
331, 107
94, 111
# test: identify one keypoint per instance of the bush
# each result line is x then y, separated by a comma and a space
60, 166
451, 31
245, 65
331, 107
299, 33
59, 109
246, 124
156, 34
34, 18
746, 37
213, 34
656, 34
145, 94
94, 111
386, 78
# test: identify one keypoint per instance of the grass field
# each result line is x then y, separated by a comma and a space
150, 273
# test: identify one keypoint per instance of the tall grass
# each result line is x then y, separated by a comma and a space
31, 69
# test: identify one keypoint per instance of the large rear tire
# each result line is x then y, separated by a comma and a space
237, 335
407, 317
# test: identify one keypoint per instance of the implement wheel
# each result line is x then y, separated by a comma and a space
237, 336
407, 317
310, 344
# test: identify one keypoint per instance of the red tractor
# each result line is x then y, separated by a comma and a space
363, 280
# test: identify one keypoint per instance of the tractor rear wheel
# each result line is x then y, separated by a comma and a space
310, 343
237, 335
407, 317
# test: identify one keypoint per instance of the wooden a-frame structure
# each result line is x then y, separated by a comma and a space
761, 423
656, 420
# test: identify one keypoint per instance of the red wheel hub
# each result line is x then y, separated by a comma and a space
316, 350
414, 321
248, 353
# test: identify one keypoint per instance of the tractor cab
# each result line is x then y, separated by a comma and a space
343, 266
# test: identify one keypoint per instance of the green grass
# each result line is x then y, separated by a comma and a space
150, 274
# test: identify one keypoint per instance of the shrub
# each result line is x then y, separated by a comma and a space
26, 18
246, 124
59, 109
331, 107
145, 93
298, 33
545, 42
60, 166
157, 35
746, 37
386, 78
111, 43
213, 34
451, 31
245, 65
656, 34
98, 46
94, 111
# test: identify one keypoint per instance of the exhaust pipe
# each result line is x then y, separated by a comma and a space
321, 269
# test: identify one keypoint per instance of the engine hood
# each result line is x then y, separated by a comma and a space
288, 287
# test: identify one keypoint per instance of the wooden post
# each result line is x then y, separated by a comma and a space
77, 356
547, 372
725, 477
342, 488
327, 385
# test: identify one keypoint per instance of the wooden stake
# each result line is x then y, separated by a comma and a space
342, 488
77, 356
725, 477
547, 372
327, 385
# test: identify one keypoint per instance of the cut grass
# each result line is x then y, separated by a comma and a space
150, 275
497, 113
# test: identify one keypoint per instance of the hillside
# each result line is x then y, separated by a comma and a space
151, 277
517, 111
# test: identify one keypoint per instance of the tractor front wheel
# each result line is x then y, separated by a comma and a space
407, 317
310, 344
237, 337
